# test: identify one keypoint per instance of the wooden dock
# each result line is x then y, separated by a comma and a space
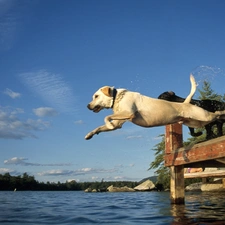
206, 154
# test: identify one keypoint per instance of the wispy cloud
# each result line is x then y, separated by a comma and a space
23, 162
11, 127
78, 172
11, 93
8, 24
45, 111
51, 88
12, 15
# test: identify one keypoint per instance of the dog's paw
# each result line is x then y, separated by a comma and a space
89, 136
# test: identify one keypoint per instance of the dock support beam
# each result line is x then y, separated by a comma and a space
174, 140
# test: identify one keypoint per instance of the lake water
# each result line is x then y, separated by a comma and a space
77, 207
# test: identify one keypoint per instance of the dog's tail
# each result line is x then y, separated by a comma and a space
193, 89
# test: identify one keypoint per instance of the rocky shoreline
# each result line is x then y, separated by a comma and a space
147, 185
216, 185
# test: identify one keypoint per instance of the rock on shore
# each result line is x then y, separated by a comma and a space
148, 185
216, 185
119, 189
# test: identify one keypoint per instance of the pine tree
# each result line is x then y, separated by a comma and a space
162, 172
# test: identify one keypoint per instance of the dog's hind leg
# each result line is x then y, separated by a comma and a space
209, 132
219, 125
193, 133
193, 89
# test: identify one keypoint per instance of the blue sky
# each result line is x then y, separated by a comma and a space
55, 54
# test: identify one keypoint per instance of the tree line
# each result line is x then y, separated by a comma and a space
28, 183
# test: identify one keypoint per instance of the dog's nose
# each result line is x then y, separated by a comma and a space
88, 106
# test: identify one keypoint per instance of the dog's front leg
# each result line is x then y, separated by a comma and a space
116, 124
112, 121
96, 131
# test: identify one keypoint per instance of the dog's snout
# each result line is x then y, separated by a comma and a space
88, 106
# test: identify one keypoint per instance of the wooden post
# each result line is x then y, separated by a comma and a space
174, 140
223, 182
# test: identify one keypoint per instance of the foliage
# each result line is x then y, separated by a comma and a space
162, 172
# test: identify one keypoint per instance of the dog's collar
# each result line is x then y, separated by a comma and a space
114, 96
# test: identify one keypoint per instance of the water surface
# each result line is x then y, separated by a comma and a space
77, 207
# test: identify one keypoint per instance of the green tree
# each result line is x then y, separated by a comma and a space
162, 172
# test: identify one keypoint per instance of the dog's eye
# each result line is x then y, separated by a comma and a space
96, 96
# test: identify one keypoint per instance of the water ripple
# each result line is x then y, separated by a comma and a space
109, 208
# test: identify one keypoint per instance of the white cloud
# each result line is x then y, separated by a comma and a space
14, 160
55, 172
12, 127
79, 122
134, 137
86, 169
22, 161
51, 88
11, 93
5, 170
45, 111
118, 178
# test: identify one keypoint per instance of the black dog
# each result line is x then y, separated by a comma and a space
209, 105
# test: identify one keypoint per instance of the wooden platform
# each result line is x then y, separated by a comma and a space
206, 151
206, 154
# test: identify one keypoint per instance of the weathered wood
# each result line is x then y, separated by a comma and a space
174, 140
205, 164
177, 184
217, 173
206, 154
208, 150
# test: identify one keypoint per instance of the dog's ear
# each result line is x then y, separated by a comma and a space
106, 91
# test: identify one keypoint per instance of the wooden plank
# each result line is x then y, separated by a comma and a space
177, 184
205, 164
221, 160
208, 150
173, 138
217, 173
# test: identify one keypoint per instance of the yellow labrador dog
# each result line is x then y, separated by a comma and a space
147, 112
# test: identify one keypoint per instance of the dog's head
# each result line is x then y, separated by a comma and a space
102, 99
168, 95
